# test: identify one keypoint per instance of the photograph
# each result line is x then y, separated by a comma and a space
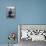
11, 12
22, 22
28, 33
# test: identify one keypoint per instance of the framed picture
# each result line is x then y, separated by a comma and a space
31, 32
11, 11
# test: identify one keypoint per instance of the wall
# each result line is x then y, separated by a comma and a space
31, 11
6, 25
27, 12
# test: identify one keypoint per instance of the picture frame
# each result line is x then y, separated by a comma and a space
10, 11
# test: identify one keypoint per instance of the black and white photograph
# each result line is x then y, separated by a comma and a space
31, 34
11, 11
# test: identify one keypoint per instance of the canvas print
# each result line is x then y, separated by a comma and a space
11, 38
31, 33
11, 11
